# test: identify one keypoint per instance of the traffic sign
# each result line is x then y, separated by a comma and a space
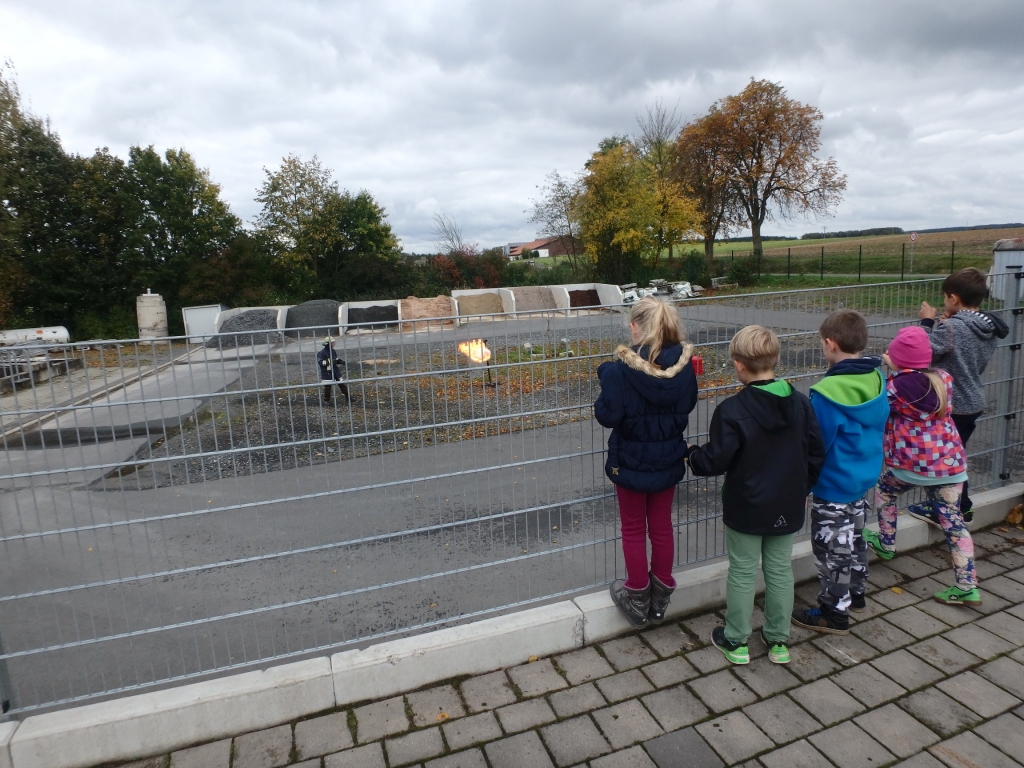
913, 237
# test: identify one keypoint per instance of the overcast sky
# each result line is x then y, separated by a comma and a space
463, 107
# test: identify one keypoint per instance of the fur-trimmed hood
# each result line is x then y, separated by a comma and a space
633, 359
660, 386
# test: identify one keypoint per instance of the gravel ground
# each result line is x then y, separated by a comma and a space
232, 331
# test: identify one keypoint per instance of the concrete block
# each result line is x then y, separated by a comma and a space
517, 751
475, 729
487, 692
6, 734
163, 721
669, 672
938, 711
675, 708
581, 698
901, 734
627, 653
409, 663
574, 741
734, 737
625, 685
626, 724
781, 719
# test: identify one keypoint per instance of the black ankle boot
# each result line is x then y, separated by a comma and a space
660, 596
634, 603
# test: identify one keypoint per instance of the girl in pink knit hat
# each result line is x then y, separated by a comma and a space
922, 448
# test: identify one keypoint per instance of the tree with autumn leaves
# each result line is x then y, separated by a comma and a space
751, 158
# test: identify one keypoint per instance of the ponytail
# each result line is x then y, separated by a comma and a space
659, 326
939, 388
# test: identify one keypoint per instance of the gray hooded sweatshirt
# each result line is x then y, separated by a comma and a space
962, 346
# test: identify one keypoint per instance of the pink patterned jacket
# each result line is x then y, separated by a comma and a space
923, 443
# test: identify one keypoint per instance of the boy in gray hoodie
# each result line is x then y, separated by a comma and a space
963, 340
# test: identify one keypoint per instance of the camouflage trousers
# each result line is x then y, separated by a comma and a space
840, 553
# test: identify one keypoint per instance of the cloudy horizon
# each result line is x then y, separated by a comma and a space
463, 108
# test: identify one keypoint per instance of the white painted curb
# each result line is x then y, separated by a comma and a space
162, 721
403, 665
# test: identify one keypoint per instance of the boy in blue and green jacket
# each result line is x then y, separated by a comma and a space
851, 407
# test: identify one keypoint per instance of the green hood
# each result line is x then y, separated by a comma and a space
851, 389
778, 387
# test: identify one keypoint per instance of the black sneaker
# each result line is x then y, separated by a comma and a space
969, 516
822, 620
926, 513
857, 603
737, 653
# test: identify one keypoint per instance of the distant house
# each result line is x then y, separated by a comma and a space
544, 248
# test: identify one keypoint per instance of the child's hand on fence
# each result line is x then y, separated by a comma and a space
927, 311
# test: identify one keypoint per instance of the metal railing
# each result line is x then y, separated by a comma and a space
170, 511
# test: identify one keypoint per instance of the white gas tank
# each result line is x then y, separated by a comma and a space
54, 334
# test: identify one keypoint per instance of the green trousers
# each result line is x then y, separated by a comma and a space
776, 556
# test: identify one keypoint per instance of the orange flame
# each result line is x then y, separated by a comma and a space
476, 350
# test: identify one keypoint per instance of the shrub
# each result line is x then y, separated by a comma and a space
742, 271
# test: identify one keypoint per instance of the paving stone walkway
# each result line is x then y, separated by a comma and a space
916, 683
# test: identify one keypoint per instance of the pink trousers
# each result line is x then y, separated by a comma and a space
646, 515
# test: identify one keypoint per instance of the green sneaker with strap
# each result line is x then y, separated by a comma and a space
874, 540
957, 595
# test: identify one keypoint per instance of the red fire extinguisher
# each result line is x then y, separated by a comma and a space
698, 364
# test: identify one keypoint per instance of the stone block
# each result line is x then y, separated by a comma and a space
937, 558
434, 705
627, 653
925, 588
916, 622
667, 640
911, 567
938, 711
800, 754
808, 663
574, 741
580, 698
907, 670
871, 609
524, 715
475, 729
626, 724
583, 665
943, 655
370, 756
826, 701
881, 635
990, 604
634, 757
469, 649
977, 693
518, 751
537, 678
892, 599
883, 577
414, 747
920, 760
765, 678
707, 660
675, 708
625, 685
781, 719
1003, 624
869, 686
848, 746
487, 692
163, 721
734, 737
669, 672
978, 641
986, 569
1005, 733
899, 732
1008, 560
954, 615
701, 626
848, 650
322, 735
722, 691
216, 754
268, 748
471, 758
969, 749
1006, 673
381, 718
682, 749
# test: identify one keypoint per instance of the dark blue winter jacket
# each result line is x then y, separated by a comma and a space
648, 410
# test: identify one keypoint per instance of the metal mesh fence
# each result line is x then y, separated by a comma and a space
169, 511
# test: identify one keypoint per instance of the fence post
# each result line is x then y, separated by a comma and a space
823, 262
789, 263
860, 258
903, 261
1010, 361
5, 683
952, 257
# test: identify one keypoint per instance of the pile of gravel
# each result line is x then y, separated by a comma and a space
318, 317
381, 316
231, 333
584, 298
480, 304
533, 298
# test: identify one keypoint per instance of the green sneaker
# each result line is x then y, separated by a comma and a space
778, 653
874, 540
734, 652
959, 596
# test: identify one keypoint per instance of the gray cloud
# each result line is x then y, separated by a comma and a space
464, 107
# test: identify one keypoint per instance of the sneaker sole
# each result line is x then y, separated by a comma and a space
858, 610
775, 660
726, 652
816, 628
957, 602
925, 519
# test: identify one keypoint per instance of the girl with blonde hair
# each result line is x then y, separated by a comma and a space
647, 394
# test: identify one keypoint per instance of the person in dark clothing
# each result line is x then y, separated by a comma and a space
647, 394
767, 443
330, 366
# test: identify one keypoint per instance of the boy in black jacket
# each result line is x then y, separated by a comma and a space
766, 442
